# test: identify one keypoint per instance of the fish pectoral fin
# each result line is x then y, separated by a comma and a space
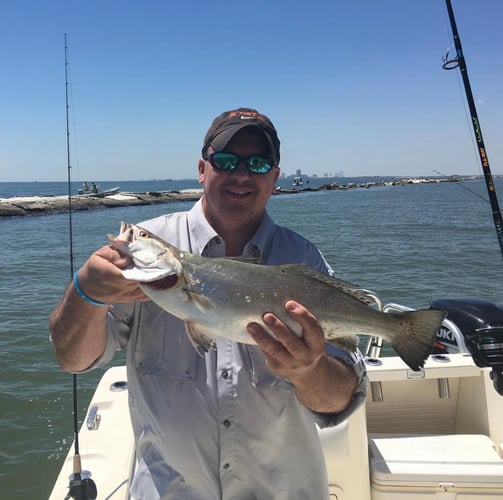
199, 300
201, 342
348, 344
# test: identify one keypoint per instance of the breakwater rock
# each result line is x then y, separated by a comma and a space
43, 205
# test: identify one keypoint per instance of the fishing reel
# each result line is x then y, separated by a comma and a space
82, 488
481, 323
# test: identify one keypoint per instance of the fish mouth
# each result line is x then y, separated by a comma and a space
122, 241
162, 284
119, 245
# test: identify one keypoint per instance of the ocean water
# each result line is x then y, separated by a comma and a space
409, 244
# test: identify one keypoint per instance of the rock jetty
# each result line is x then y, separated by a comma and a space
44, 205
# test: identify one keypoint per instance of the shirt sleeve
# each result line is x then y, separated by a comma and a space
119, 320
356, 361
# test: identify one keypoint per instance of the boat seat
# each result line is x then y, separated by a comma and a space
456, 462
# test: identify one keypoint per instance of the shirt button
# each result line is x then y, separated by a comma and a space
227, 423
225, 374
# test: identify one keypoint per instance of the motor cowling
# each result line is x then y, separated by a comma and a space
481, 323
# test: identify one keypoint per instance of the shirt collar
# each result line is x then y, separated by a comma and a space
200, 230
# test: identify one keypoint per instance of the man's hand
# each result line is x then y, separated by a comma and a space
322, 383
288, 355
100, 278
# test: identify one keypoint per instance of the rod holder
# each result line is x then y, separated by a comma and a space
376, 392
444, 390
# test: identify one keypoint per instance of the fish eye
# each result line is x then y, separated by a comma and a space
144, 234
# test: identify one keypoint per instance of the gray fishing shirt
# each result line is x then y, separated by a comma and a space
218, 426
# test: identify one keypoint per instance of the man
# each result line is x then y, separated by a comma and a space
238, 423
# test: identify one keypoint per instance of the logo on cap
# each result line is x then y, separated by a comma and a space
246, 115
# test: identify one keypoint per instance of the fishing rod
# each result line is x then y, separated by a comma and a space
459, 62
79, 488
485, 343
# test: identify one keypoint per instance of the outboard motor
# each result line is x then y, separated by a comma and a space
481, 324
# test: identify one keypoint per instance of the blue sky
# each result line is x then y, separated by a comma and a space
352, 86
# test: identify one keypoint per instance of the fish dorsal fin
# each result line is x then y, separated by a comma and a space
246, 260
201, 342
354, 291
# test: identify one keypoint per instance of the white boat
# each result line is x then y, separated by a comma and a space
297, 181
437, 433
96, 190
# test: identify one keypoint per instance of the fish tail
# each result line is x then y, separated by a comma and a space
418, 329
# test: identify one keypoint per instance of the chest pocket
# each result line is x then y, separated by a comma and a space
160, 345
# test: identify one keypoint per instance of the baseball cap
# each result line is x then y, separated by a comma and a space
228, 123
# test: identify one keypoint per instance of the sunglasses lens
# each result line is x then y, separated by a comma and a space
259, 165
225, 161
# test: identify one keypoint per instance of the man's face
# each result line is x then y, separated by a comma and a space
236, 200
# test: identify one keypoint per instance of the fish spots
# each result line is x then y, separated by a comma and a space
247, 298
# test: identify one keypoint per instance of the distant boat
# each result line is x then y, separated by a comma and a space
96, 190
297, 181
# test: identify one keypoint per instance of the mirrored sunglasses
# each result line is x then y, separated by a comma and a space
230, 162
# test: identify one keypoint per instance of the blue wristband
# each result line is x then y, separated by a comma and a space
82, 293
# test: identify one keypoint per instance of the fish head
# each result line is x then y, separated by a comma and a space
152, 258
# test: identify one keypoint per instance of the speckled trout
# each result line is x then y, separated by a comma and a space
219, 297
